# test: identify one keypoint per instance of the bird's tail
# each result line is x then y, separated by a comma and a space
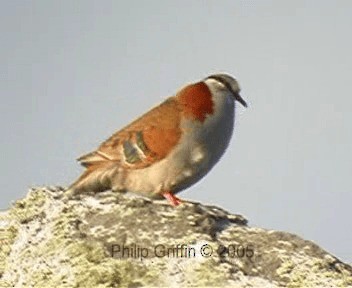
96, 178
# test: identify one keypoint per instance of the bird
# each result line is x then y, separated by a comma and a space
169, 148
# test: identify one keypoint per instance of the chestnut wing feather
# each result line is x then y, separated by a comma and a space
145, 141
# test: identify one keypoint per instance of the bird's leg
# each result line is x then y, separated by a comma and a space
174, 201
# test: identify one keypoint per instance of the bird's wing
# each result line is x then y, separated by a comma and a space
143, 142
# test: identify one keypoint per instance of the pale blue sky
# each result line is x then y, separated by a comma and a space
73, 72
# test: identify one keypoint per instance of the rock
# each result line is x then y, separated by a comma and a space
117, 240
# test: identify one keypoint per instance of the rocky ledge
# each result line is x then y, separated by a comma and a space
115, 240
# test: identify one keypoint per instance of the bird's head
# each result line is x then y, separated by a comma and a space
226, 81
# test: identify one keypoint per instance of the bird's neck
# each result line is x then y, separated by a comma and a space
196, 101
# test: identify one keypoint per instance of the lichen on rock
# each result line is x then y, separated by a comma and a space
115, 240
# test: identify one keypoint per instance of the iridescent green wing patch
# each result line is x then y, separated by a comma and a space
140, 143
131, 152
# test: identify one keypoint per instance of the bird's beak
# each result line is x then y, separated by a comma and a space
240, 99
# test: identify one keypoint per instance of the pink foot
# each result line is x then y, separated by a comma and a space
174, 201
